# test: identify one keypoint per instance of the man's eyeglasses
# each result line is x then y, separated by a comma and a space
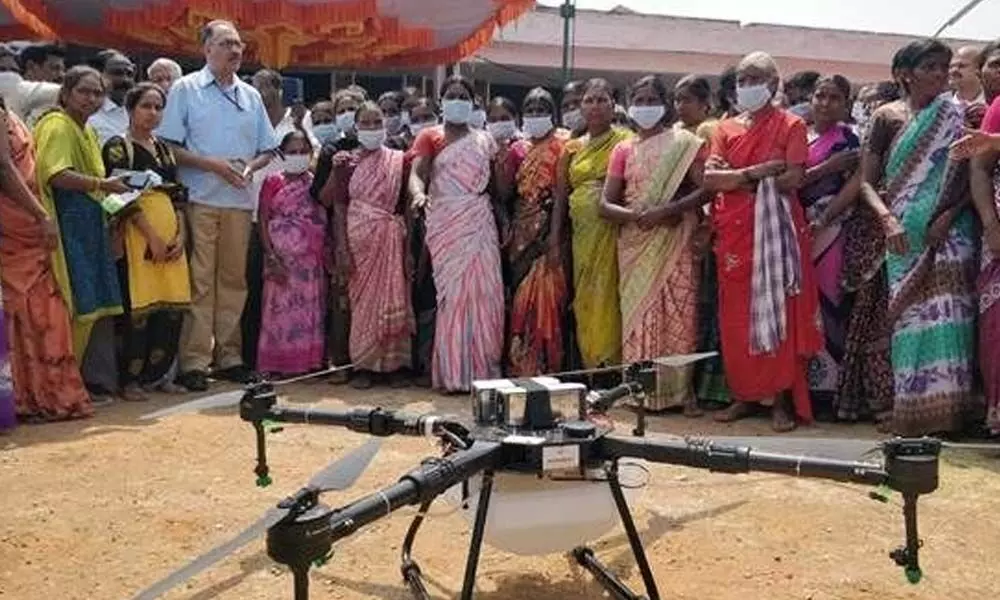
231, 44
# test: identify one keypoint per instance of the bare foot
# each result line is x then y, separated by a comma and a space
133, 393
781, 421
338, 378
361, 381
692, 410
736, 412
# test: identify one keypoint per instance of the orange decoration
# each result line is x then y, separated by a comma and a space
279, 33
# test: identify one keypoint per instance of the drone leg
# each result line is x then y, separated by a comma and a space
478, 530
410, 569
587, 559
301, 575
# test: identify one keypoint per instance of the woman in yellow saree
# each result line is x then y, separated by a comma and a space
594, 239
658, 278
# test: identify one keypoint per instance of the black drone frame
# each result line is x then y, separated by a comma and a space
306, 536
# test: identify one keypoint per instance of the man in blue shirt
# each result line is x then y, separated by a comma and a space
222, 135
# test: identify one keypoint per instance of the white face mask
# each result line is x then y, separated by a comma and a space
416, 128
393, 125
573, 120
371, 139
456, 112
802, 109
478, 119
502, 130
752, 98
647, 117
325, 132
537, 127
345, 121
296, 163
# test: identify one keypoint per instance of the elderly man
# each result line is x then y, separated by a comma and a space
164, 72
119, 77
222, 135
772, 324
966, 85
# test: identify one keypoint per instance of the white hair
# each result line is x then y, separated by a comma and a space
761, 61
175, 69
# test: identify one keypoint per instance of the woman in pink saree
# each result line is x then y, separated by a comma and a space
375, 229
451, 173
293, 233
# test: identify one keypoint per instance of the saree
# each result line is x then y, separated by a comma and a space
540, 290
464, 247
83, 264
753, 376
8, 410
381, 313
988, 288
828, 261
44, 370
657, 278
931, 302
596, 303
294, 298
154, 294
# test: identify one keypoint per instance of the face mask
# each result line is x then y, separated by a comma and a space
416, 128
478, 119
647, 117
801, 109
393, 125
502, 130
573, 120
537, 127
325, 132
371, 139
345, 121
296, 163
456, 112
752, 98
405, 118
860, 114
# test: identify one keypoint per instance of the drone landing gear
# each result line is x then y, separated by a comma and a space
411, 570
300, 544
588, 560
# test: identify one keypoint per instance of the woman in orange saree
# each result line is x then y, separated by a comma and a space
538, 309
768, 296
46, 376
656, 264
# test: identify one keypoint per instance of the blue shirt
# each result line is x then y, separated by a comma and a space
214, 122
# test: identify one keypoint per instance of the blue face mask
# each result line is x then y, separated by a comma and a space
325, 132
456, 112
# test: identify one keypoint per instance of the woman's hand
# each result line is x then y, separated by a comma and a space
175, 249
844, 161
554, 253
157, 249
114, 185
937, 232
345, 266
973, 143
50, 231
771, 168
421, 202
275, 267
895, 235
226, 172
656, 217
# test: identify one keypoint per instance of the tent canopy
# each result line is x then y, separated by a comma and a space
279, 33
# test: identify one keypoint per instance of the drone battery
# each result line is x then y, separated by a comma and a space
505, 402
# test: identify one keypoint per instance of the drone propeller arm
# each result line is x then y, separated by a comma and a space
430, 479
372, 421
704, 454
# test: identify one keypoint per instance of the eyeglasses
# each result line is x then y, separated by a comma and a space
231, 44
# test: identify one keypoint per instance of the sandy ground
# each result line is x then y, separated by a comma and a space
99, 509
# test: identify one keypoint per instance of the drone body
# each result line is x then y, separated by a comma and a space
537, 471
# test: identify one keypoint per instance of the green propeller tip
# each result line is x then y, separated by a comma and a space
264, 481
914, 575
319, 562
271, 426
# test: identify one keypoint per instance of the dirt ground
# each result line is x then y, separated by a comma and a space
99, 509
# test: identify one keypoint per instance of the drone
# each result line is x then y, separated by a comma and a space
537, 470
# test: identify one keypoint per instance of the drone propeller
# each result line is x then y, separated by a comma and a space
339, 475
679, 360
230, 398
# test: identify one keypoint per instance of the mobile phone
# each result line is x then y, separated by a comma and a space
137, 181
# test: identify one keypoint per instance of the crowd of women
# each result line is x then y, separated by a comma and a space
825, 241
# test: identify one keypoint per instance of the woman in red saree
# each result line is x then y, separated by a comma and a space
375, 229
768, 298
449, 182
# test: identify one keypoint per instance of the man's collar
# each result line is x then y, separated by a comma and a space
110, 106
205, 78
